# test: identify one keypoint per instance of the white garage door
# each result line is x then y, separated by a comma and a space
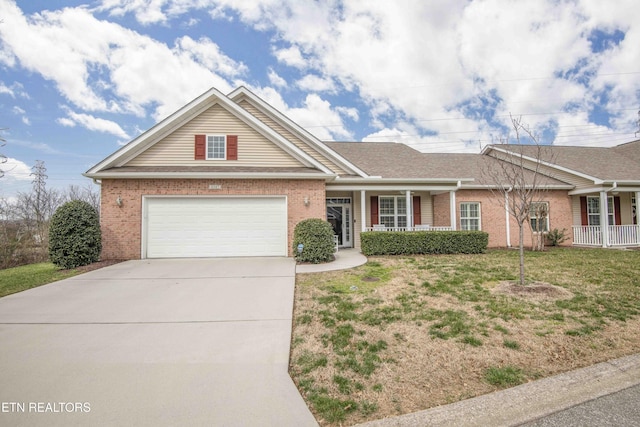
215, 227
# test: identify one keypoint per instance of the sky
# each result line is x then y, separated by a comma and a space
79, 79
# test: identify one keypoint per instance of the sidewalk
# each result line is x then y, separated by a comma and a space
345, 258
528, 402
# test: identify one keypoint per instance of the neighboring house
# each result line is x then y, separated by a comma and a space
228, 175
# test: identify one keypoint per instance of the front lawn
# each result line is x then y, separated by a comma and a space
25, 277
402, 334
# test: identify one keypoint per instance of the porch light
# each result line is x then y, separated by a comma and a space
119, 201
306, 200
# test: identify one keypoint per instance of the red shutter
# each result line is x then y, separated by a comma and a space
232, 147
616, 208
374, 211
583, 210
201, 147
417, 212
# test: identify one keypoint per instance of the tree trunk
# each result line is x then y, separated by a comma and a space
521, 250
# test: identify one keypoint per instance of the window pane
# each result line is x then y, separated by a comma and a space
387, 221
216, 147
386, 206
539, 216
402, 205
470, 216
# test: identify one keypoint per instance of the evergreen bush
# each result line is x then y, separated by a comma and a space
423, 242
74, 235
316, 236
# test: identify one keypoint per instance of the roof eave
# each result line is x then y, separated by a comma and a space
207, 175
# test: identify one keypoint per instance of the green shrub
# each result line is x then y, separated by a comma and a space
317, 237
74, 235
423, 242
557, 237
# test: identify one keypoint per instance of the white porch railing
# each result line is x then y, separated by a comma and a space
416, 228
619, 235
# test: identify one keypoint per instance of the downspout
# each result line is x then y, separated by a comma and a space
506, 215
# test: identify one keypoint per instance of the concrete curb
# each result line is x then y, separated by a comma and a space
528, 402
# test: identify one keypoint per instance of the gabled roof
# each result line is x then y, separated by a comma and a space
294, 128
184, 115
597, 164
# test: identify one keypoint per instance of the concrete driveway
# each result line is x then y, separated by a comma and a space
153, 342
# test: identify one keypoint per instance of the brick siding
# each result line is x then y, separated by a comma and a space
493, 215
122, 226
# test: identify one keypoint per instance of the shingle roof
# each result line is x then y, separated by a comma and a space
608, 164
393, 160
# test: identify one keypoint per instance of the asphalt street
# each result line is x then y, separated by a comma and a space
619, 409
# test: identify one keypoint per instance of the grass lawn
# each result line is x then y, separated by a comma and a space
402, 334
25, 277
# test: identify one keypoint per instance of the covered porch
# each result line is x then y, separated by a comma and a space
353, 208
608, 218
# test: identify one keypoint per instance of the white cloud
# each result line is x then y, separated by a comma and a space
430, 60
352, 113
445, 72
68, 45
64, 121
93, 123
292, 57
314, 83
320, 119
275, 79
15, 170
16, 90
6, 90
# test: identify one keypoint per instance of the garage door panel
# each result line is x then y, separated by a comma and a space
212, 227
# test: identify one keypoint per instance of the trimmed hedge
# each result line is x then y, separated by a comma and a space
423, 242
317, 237
74, 235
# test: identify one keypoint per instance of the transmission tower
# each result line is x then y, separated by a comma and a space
40, 190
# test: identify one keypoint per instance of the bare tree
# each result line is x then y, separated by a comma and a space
88, 194
517, 183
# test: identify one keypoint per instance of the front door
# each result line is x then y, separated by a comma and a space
339, 216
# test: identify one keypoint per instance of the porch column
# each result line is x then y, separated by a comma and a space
363, 211
452, 209
604, 218
638, 217
409, 210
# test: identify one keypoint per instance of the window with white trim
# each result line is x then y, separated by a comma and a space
593, 210
392, 211
216, 147
539, 217
470, 216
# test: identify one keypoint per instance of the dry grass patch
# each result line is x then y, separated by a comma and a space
401, 334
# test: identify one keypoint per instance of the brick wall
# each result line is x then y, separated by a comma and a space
493, 218
122, 226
